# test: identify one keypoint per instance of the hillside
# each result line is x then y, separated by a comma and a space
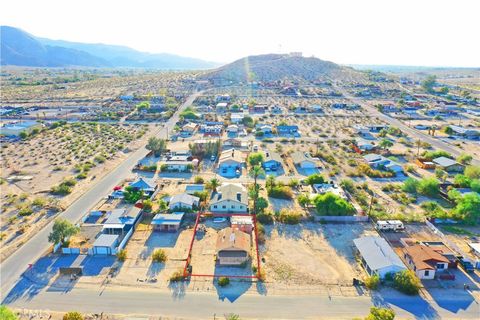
273, 67
23, 49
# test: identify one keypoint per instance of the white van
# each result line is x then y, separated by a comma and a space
390, 225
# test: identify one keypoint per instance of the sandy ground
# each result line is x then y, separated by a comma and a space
302, 254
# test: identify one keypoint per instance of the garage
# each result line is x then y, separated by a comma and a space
105, 244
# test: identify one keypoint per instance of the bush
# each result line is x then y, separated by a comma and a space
472, 172
430, 155
147, 205
315, 179
289, 216
223, 281
329, 204
407, 282
7, 314
265, 218
25, 211
159, 255
372, 282
176, 276
72, 315
429, 187
198, 180
380, 314
122, 255
82, 175
280, 192
410, 185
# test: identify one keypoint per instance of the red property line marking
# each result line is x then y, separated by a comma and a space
189, 257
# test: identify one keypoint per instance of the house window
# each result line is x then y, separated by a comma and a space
440, 266
427, 273
215, 206
224, 207
241, 207
233, 207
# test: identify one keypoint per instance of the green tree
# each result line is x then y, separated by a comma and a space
315, 179
132, 195
429, 83
23, 135
62, 229
462, 180
73, 315
255, 158
212, 184
407, 282
329, 204
380, 314
468, 207
448, 130
255, 172
303, 200
262, 204
385, 143
156, 145
7, 314
429, 187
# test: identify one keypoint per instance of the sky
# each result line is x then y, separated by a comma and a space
380, 32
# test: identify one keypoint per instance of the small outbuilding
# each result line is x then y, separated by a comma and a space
167, 222
233, 247
105, 244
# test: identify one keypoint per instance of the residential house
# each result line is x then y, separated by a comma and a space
445, 251
148, 186
221, 107
425, 261
272, 161
287, 130
233, 247
377, 257
237, 117
229, 198
364, 145
183, 201
232, 129
276, 109
188, 129
167, 222
265, 128
211, 129
465, 132
302, 161
379, 162
15, 128
448, 164
230, 162
258, 109
120, 221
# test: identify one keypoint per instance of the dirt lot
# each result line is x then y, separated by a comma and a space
312, 253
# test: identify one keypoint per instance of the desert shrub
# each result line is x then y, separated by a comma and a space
348, 185
147, 205
372, 282
410, 185
25, 211
377, 313
223, 281
428, 187
280, 192
73, 315
304, 200
159, 255
81, 175
289, 216
198, 180
122, 255
429, 155
407, 282
39, 202
261, 275
315, 179
265, 217
61, 189
260, 233
176, 276
329, 204
472, 172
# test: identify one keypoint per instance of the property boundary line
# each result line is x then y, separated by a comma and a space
195, 228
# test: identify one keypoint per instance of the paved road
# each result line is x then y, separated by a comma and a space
204, 305
12, 268
416, 134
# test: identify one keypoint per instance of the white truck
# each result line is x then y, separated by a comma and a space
390, 225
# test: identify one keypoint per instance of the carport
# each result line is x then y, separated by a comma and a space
105, 244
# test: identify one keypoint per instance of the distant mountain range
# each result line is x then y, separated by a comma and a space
20, 48
273, 67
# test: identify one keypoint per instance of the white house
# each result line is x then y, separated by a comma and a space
377, 256
425, 261
183, 201
230, 198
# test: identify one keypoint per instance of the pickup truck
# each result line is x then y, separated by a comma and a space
466, 264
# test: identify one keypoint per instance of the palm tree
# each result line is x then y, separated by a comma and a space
213, 184
418, 143
255, 172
